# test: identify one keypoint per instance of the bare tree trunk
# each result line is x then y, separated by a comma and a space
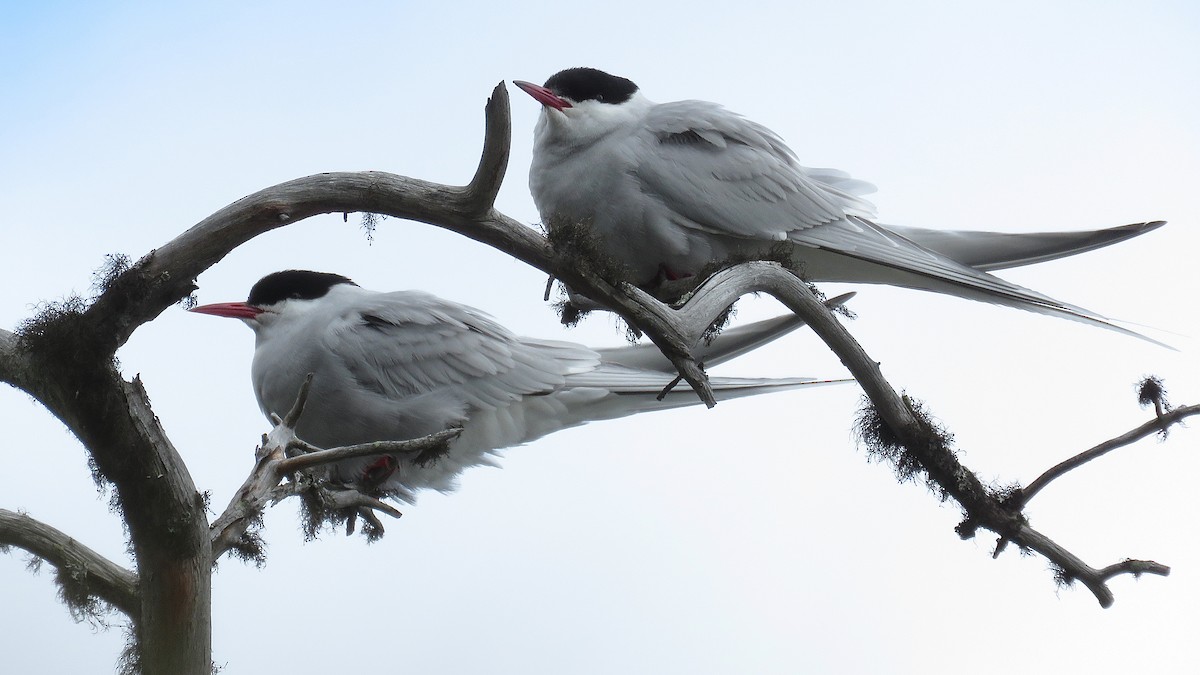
175, 629
175, 571
66, 364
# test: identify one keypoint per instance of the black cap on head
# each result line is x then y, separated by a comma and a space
589, 84
293, 284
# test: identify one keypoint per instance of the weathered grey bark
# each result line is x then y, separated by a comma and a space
65, 359
70, 370
94, 573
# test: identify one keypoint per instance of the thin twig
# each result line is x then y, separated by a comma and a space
347, 499
1134, 567
1161, 422
322, 457
293, 416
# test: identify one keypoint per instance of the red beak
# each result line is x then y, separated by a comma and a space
543, 95
233, 310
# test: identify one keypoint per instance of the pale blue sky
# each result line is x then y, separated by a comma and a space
750, 538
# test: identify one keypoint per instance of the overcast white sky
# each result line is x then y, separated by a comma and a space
753, 537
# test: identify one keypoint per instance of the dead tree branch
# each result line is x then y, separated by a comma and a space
981, 507
1070, 568
89, 572
314, 457
262, 487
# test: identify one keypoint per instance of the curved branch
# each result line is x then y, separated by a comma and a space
1071, 567
982, 507
485, 185
165, 275
726, 286
94, 573
769, 277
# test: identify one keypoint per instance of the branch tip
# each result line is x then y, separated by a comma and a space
481, 192
293, 416
1157, 425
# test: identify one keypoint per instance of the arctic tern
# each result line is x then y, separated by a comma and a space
669, 189
401, 365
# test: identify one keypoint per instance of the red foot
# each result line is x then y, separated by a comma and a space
672, 275
380, 470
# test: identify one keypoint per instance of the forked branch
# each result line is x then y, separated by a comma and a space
276, 462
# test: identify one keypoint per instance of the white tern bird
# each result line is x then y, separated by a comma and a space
397, 366
667, 189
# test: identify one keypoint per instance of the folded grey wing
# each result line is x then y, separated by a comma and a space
1001, 250
718, 172
413, 344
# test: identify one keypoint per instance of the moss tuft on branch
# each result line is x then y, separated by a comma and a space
881, 442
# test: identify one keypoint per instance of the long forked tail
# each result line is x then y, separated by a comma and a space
859, 251
628, 391
729, 344
988, 251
